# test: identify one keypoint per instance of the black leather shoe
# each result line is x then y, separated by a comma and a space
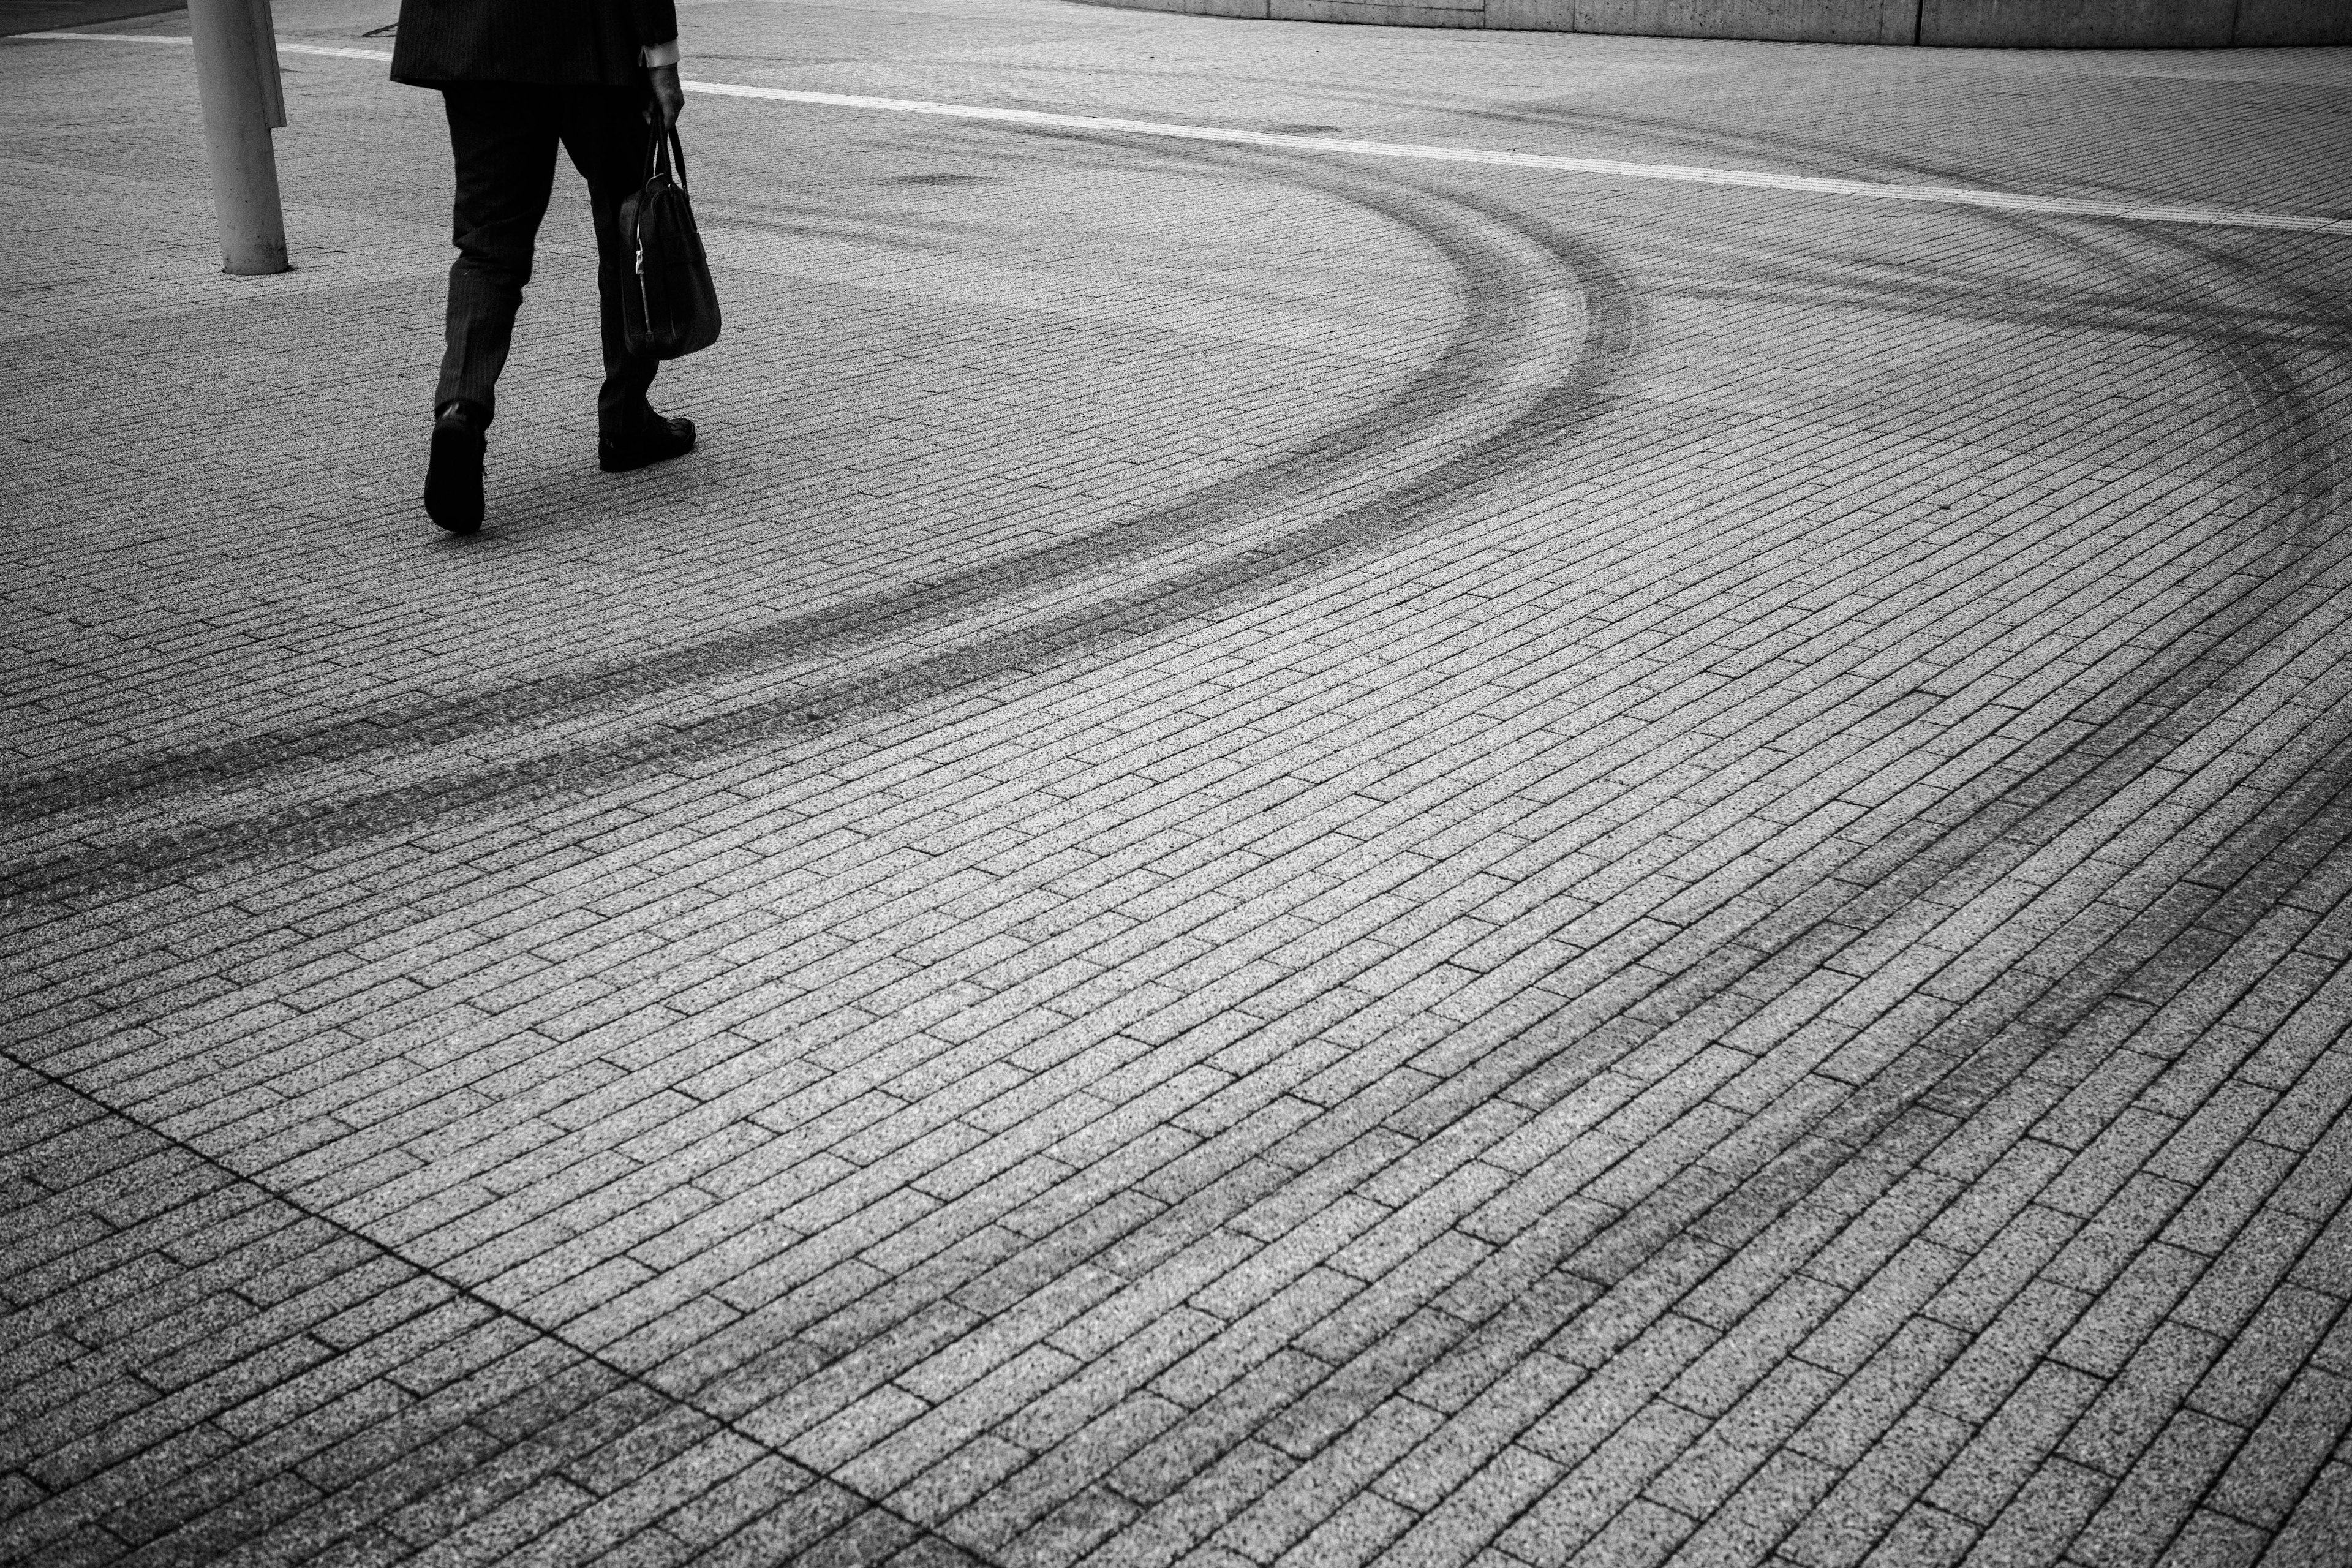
655, 441
452, 482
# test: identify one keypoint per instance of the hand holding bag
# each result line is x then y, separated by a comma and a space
668, 306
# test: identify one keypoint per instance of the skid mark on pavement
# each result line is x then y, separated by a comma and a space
1500, 397
1854, 1114
1498, 342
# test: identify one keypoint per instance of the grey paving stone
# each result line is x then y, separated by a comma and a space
2155, 1497
1877, 1491
2316, 1529
1761, 1513
2047, 1514
2105, 1338
1879, 1393
2273, 1348
1626, 1386
2297, 1436
2126, 1415
1168, 1459
2214, 1537
2229, 1293
1924, 1535
1743, 1440
2010, 1447
2005, 1355
1361, 1531
1241, 1477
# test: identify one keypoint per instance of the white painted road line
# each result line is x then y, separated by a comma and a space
1753, 179
187, 43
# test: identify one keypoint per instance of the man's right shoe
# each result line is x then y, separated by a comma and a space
452, 482
658, 440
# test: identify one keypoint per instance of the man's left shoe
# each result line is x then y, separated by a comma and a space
655, 441
452, 478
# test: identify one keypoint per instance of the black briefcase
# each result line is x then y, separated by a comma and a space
668, 307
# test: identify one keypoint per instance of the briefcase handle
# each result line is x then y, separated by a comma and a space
665, 147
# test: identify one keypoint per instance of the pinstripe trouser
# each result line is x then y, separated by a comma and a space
504, 137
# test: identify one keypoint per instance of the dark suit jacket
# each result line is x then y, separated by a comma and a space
574, 42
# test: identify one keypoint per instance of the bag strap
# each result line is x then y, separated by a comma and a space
658, 157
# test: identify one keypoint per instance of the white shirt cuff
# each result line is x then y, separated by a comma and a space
652, 55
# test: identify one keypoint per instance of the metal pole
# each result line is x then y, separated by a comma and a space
237, 68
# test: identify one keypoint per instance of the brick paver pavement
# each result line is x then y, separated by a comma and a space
1277, 858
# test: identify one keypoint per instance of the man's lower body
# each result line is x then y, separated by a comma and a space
504, 137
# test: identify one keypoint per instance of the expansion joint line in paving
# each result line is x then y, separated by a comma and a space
459, 1289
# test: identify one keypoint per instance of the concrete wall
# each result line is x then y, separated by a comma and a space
2261, 22
2016, 24
1430, 14
1807, 21
2080, 23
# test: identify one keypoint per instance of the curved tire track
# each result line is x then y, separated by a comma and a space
1482, 347
1502, 309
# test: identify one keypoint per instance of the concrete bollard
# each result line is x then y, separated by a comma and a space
236, 78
